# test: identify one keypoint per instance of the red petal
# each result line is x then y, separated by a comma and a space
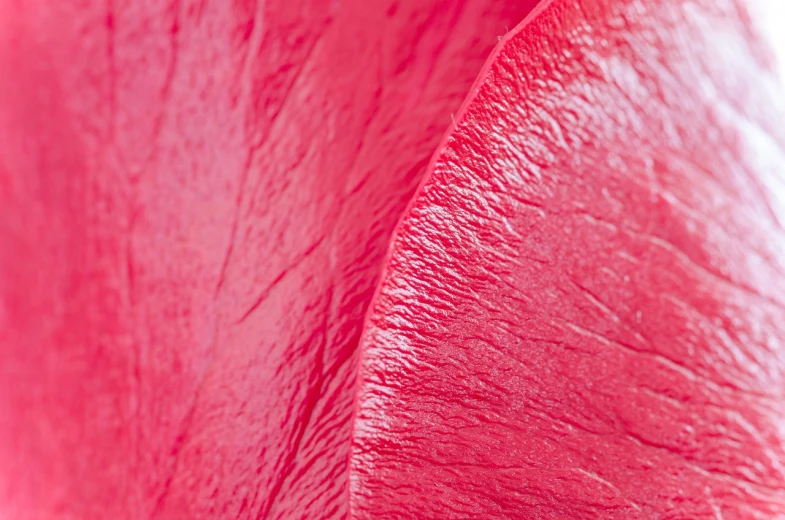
195, 200
582, 315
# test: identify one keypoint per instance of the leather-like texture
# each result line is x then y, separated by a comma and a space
582, 315
195, 200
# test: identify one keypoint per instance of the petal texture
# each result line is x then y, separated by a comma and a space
195, 201
582, 315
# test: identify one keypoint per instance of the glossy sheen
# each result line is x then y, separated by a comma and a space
195, 200
583, 313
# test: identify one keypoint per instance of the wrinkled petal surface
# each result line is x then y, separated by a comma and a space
583, 311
